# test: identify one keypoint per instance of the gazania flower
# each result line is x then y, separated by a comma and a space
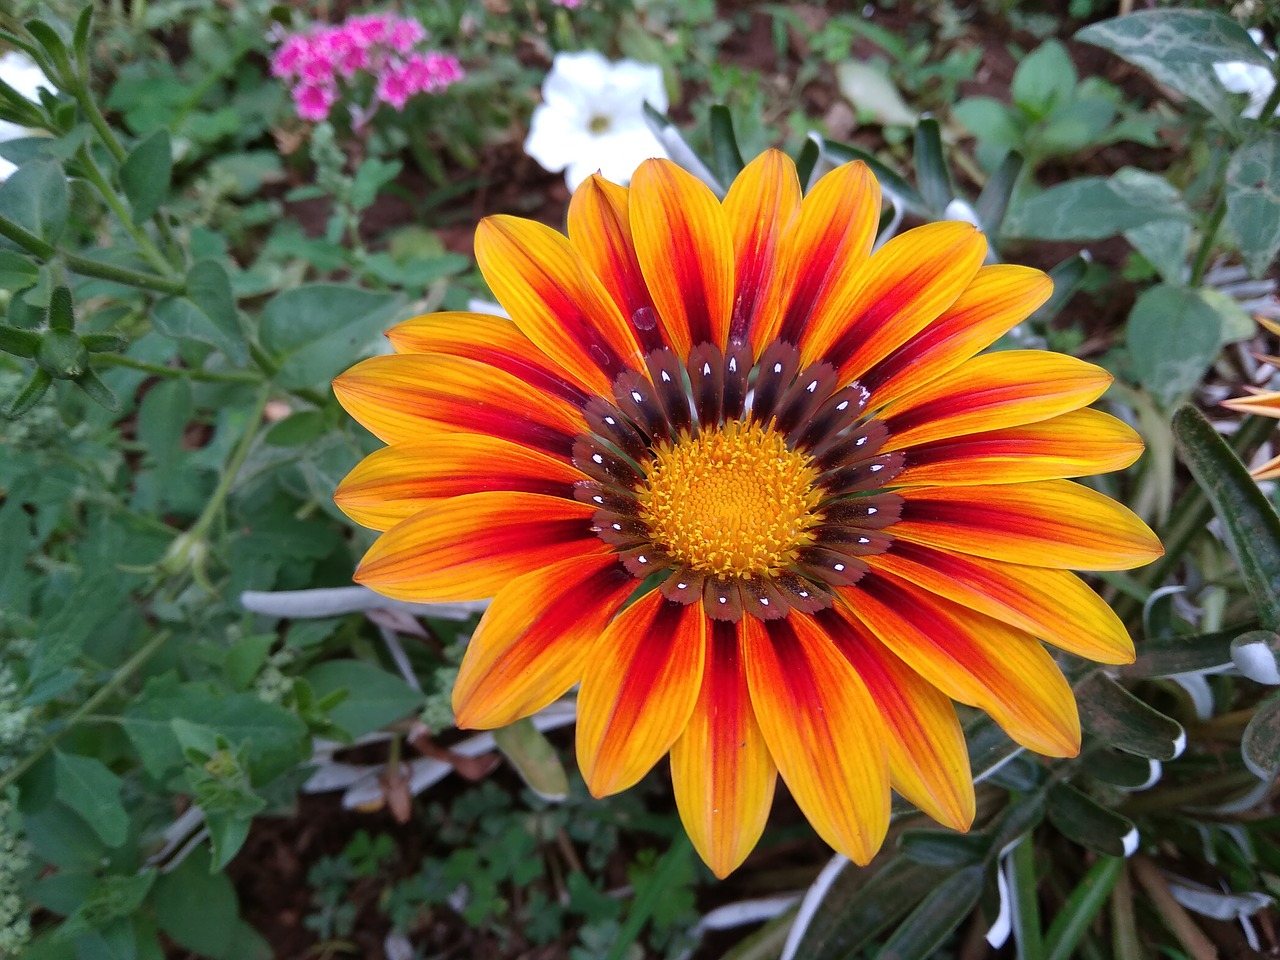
755, 490
1261, 403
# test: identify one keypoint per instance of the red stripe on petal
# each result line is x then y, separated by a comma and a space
760, 206
469, 548
1051, 604
999, 297
394, 483
534, 640
830, 239
823, 730
905, 286
685, 250
641, 684
971, 658
536, 274
928, 762
1052, 523
404, 398
994, 391
600, 231
721, 770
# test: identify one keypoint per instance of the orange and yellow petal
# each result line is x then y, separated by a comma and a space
1263, 403
928, 761
1076, 444
994, 391
905, 286
486, 339
823, 730
830, 238
760, 205
394, 483
469, 548
640, 687
533, 642
973, 659
999, 297
562, 308
1051, 523
685, 251
404, 398
721, 770
600, 232
1054, 605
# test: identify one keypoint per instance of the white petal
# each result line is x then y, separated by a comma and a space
619, 152
574, 79
555, 139
637, 83
20, 72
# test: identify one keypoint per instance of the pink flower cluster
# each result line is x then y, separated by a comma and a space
381, 45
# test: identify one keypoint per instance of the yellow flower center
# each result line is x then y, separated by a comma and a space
732, 501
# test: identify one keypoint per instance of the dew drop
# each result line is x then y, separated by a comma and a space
643, 319
599, 356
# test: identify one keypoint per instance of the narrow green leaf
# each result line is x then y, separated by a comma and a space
892, 181
1082, 906
84, 26
1027, 931
944, 848
1113, 714
993, 203
806, 160
1253, 200
1260, 745
1247, 517
534, 758
146, 174
92, 791
932, 172
1067, 277
19, 343
29, 395
1081, 818
52, 45
1123, 770
726, 158
931, 923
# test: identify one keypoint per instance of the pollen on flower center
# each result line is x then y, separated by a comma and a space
732, 501
599, 124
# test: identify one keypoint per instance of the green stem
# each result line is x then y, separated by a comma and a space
1188, 520
104, 693
207, 376
238, 456
665, 872
1026, 907
144, 242
99, 122
89, 268
28, 241
1201, 262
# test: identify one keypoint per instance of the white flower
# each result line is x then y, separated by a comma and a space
1251, 78
592, 117
20, 72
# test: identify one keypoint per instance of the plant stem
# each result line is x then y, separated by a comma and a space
1201, 262
208, 376
99, 122
131, 278
1026, 907
86, 709
144, 242
238, 456
28, 241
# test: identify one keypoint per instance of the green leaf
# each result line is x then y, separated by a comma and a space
1122, 770
227, 834
534, 758
317, 331
944, 848
1082, 906
17, 272
867, 86
1181, 654
146, 172
374, 697
1112, 713
993, 203
114, 897
162, 420
990, 121
1067, 277
197, 908
36, 198
892, 181
86, 786
1249, 520
931, 923
1095, 207
1178, 48
1260, 745
932, 173
1253, 200
206, 313
1164, 244
726, 158
1045, 79
1173, 337
1081, 818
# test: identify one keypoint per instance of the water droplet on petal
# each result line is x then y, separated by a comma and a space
644, 319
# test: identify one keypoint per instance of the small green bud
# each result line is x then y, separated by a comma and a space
62, 355
62, 312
